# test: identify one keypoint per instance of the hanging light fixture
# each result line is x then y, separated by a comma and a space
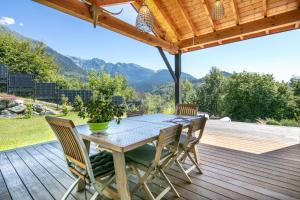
218, 11
144, 20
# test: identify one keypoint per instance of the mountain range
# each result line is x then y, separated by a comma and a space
141, 78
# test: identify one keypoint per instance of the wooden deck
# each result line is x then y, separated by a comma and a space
39, 172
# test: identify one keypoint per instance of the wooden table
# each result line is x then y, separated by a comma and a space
129, 134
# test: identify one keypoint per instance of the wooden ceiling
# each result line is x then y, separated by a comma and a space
186, 25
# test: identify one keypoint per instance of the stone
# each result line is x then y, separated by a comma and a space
19, 101
18, 109
225, 119
2, 105
7, 114
12, 104
38, 108
49, 111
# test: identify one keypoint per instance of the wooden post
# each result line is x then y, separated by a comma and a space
178, 92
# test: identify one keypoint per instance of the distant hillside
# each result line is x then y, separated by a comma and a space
140, 78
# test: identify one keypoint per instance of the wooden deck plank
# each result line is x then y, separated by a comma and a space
4, 194
53, 186
33, 185
227, 174
13, 182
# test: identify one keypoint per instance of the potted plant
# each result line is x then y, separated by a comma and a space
100, 109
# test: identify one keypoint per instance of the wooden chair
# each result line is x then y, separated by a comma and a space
188, 145
96, 170
152, 160
135, 113
186, 109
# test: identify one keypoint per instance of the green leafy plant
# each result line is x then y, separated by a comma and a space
64, 105
78, 103
28, 112
100, 107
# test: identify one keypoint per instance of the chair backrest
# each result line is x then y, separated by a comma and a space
196, 125
135, 113
168, 137
72, 145
186, 109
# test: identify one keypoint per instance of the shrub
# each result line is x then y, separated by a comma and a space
78, 103
64, 105
289, 122
271, 121
28, 112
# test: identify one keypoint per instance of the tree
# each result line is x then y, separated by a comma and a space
208, 95
78, 103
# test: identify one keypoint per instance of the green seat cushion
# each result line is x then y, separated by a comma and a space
102, 163
144, 155
183, 138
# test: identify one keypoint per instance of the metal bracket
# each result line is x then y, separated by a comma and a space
167, 64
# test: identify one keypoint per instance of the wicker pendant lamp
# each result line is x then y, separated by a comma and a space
218, 11
144, 20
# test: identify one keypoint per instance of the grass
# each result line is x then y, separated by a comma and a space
22, 132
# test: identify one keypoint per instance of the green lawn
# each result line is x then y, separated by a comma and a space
22, 132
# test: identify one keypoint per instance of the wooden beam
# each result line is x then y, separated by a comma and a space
297, 25
168, 20
186, 16
276, 21
265, 8
109, 2
207, 10
82, 11
235, 10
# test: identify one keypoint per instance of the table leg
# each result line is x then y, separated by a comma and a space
121, 175
81, 183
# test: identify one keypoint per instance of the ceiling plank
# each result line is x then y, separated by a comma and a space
235, 10
82, 11
207, 12
157, 8
109, 2
265, 8
276, 21
186, 16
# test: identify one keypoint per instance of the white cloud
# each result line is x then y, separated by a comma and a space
7, 21
21, 24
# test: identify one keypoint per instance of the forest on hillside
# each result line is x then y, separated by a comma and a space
242, 96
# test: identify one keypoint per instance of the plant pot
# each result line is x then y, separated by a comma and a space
94, 127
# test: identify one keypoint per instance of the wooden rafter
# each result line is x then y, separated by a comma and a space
186, 16
265, 8
273, 22
235, 11
168, 20
109, 2
207, 12
82, 11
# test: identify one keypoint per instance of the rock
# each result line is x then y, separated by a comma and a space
19, 101
12, 104
225, 119
49, 111
18, 109
2, 105
7, 114
38, 108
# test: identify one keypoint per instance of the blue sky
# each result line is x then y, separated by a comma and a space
277, 54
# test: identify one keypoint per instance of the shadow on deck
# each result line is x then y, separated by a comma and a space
39, 172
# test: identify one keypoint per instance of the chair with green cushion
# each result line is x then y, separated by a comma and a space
153, 159
96, 170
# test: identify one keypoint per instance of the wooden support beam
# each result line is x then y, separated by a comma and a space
82, 11
207, 10
276, 21
265, 8
186, 16
168, 20
297, 25
235, 11
110, 2
165, 59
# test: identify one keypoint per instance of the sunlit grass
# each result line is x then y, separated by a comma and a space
22, 132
